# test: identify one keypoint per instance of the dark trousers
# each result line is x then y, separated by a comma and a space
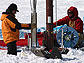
12, 49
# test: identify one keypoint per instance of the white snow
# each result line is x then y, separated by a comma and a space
73, 56
24, 16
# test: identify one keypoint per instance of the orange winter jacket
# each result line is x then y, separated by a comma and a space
10, 27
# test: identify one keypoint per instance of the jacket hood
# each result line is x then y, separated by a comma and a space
4, 15
74, 10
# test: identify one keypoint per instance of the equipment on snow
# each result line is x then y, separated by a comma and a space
70, 37
45, 53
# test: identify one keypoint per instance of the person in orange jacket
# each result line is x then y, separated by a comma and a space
72, 20
11, 27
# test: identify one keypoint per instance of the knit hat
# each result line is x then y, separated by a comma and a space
13, 7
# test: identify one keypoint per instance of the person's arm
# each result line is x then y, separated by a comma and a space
28, 26
79, 26
25, 26
14, 24
61, 21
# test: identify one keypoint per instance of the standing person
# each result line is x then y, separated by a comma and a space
73, 21
11, 27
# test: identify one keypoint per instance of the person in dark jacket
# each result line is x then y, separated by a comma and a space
73, 21
11, 27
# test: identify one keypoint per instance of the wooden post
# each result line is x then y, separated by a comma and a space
49, 23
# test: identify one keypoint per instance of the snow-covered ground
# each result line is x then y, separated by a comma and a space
24, 16
73, 56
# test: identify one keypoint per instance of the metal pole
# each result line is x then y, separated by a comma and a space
49, 23
56, 14
62, 45
33, 21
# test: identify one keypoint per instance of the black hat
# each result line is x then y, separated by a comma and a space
13, 7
